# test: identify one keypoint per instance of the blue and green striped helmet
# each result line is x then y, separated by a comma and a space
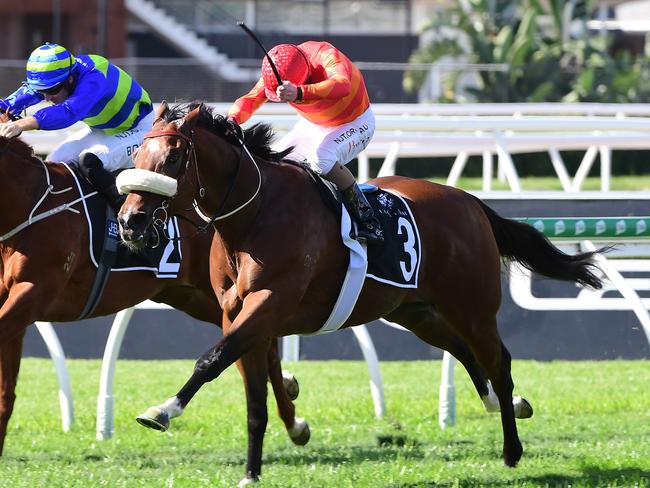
48, 65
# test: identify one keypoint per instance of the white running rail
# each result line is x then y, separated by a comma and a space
520, 289
58, 357
491, 131
105, 398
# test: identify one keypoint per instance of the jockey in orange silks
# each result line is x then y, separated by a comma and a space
336, 121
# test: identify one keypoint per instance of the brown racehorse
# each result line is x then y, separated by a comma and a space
46, 274
277, 261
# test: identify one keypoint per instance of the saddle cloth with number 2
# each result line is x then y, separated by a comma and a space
164, 260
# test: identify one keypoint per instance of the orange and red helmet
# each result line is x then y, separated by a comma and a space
292, 65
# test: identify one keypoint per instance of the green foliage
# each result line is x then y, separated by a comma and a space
590, 429
545, 62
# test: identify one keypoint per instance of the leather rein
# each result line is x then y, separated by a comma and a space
49, 190
190, 155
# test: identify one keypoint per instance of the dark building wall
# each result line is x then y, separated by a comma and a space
28, 23
384, 86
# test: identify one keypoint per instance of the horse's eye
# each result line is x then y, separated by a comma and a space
173, 158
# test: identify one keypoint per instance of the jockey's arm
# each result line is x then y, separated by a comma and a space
17, 127
337, 84
19, 100
333, 88
76, 107
244, 107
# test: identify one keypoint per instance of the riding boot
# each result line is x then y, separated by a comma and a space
369, 227
101, 179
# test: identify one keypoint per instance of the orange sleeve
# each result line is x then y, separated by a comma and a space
336, 86
244, 107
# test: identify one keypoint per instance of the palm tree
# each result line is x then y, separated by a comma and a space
545, 46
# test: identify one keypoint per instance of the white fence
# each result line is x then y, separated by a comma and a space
520, 289
105, 398
487, 130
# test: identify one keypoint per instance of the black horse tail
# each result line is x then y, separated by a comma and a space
520, 242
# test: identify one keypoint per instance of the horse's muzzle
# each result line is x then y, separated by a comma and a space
133, 229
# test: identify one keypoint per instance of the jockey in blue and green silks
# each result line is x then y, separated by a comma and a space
117, 112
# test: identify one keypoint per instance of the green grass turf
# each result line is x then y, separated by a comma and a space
591, 428
550, 183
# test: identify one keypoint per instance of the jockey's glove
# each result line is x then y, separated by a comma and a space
234, 129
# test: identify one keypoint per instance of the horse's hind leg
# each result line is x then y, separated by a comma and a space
10, 356
422, 320
297, 428
485, 354
483, 338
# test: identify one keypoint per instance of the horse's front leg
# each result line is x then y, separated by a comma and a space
258, 321
10, 356
254, 371
16, 313
252, 329
286, 389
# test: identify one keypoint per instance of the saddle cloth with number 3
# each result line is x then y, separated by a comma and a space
396, 261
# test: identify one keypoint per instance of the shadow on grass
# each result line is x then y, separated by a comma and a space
348, 454
591, 476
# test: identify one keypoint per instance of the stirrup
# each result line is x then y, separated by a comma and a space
371, 231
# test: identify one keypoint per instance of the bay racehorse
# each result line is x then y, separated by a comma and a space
46, 274
277, 261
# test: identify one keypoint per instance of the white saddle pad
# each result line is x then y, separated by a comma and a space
353, 281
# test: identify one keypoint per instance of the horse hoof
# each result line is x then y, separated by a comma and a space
512, 456
523, 409
154, 418
300, 432
290, 384
247, 481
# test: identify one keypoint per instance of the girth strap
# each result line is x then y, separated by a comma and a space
106, 262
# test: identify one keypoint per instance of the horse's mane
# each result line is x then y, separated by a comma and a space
20, 147
17, 145
257, 137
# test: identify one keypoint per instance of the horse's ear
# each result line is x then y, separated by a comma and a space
190, 120
162, 108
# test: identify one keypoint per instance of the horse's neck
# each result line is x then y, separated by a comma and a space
218, 167
22, 183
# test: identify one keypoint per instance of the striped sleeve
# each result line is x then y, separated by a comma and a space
337, 93
337, 85
87, 92
21, 99
244, 107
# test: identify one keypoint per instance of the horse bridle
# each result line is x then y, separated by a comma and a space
190, 154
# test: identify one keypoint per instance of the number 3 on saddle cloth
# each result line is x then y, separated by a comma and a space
107, 255
396, 261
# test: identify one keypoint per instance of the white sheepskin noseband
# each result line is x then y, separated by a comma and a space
144, 180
